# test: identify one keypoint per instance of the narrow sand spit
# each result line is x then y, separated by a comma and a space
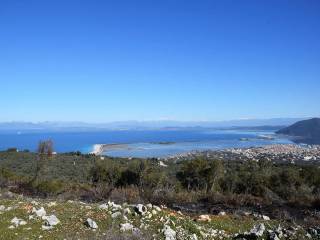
99, 149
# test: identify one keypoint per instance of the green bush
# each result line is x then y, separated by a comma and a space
49, 188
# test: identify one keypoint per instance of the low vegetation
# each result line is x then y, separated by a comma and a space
285, 192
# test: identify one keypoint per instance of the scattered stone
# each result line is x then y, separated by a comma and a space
8, 194
35, 203
91, 224
18, 222
51, 220
127, 211
157, 208
279, 231
273, 236
258, 230
193, 237
264, 217
52, 204
222, 213
44, 227
126, 227
162, 164
2, 208
204, 218
116, 215
104, 206
140, 209
169, 233
9, 209
40, 212
149, 205
114, 206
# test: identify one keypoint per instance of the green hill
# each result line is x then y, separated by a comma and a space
306, 131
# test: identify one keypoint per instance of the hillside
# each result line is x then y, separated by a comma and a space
27, 218
306, 131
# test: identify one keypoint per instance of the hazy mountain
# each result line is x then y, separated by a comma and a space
122, 125
307, 131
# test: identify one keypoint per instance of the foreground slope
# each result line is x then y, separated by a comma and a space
25, 218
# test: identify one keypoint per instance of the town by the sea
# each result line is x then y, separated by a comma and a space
142, 143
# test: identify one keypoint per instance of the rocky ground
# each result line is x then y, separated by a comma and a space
26, 218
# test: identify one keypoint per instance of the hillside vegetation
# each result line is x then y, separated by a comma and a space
256, 190
307, 131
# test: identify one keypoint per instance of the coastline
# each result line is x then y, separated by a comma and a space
99, 149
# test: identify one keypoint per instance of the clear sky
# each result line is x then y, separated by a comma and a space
100, 61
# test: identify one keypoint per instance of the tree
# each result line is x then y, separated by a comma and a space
45, 151
214, 173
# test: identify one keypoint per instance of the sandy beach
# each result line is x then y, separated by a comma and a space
99, 149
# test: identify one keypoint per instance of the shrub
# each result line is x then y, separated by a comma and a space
49, 188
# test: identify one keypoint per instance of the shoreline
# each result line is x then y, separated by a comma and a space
99, 149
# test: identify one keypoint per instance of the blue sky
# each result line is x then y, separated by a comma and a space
100, 61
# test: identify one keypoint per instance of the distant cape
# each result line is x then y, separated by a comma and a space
306, 131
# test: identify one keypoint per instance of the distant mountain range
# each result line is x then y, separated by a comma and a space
306, 131
273, 123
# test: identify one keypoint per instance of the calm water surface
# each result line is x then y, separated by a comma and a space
140, 143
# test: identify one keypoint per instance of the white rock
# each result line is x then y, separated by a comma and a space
9, 208
258, 230
149, 205
162, 164
51, 220
264, 217
204, 218
114, 206
193, 237
2, 208
35, 203
44, 227
222, 213
140, 209
104, 206
154, 212
157, 208
40, 212
127, 211
92, 224
273, 236
169, 233
17, 222
52, 204
116, 215
126, 227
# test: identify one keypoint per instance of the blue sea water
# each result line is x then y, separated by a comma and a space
139, 143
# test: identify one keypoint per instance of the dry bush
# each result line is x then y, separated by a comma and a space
241, 200
128, 194
316, 203
170, 197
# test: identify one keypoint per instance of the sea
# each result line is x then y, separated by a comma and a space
142, 143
